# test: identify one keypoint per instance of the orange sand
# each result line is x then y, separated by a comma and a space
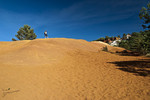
66, 69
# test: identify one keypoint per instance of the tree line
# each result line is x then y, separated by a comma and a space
139, 41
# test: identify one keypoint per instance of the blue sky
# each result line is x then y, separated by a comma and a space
79, 19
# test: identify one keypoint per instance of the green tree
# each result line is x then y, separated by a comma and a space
145, 15
135, 34
107, 37
100, 39
25, 33
118, 36
124, 36
135, 43
146, 42
112, 38
138, 42
124, 44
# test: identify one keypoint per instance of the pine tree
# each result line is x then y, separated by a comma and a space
118, 36
25, 33
107, 37
145, 15
124, 36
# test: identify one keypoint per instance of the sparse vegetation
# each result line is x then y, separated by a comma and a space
105, 49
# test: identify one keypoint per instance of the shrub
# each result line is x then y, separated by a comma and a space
105, 49
25, 33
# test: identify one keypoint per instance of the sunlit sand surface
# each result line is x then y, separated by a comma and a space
68, 69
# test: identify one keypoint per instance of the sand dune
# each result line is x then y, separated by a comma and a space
68, 69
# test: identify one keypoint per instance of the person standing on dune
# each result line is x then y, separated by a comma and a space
45, 34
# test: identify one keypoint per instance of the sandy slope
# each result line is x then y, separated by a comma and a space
67, 69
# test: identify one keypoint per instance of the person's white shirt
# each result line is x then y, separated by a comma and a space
45, 32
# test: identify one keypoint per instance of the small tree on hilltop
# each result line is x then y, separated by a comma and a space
25, 33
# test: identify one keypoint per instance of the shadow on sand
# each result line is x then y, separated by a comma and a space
127, 53
140, 68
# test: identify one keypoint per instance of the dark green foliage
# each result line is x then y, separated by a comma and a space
25, 33
124, 36
139, 42
100, 39
145, 15
146, 42
144, 26
107, 37
135, 43
103, 39
124, 44
118, 36
14, 39
135, 34
112, 38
